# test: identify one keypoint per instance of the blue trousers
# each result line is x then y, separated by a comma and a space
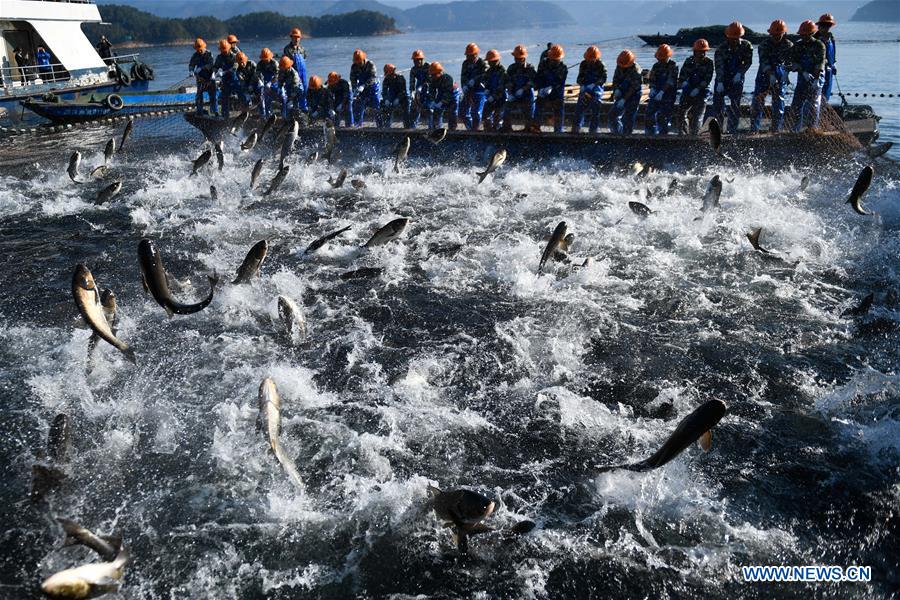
471, 109
621, 120
733, 91
525, 105
493, 113
556, 107
208, 87
389, 108
291, 100
436, 116
763, 87
367, 99
343, 113
807, 102
659, 114
829, 81
588, 102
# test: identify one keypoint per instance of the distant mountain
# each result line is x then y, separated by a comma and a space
487, 14
883, 11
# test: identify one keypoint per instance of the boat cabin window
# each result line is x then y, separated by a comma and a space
26, 58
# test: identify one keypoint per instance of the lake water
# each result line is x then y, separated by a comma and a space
458, 365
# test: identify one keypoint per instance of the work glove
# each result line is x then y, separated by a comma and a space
834, 69
806, 76
518, 93
738, 78
720, 88
617, 94
695, 92
489, 100
659, 96
652, 92
544, 92
359, 89
471, 83
620, 103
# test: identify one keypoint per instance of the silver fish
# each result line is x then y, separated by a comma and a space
753, 237
804, 183
74, 163
252, 262
278, 179
713, 192
239, 121
401, 152
106, 547
436, 136
270, 423
110, 150
270, 122
108, 304
497, 159
213, 192
339, 182
254, 174
860, 188
330, 142
220, 154
250, 142
358, 184
388, 233
291, 316
556, 239
290, 139
109, 192
100, 172
201, 160
715, 136
640, 209
324, 239
87, 299
129, 126
87, 581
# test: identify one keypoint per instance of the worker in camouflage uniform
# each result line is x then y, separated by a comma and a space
267, 74
550, 82
824, 35
225, 68
591, 77
418, 82
808, 59
443, 97
694, 80
201, 66
732, 59
626, 86
319, 101
474, 96
663, 90
774, 54
494, 80
365, 86
342, 94
394, 97
520, 89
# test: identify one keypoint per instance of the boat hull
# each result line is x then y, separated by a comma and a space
13, 103
83, 111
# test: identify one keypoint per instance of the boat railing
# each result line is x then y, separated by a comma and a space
25, 76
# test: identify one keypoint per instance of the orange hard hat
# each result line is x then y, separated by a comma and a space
315, 82
241, 58
625, 59
556, 52
359, 57
826, 19
296, 33
333, 77
435, 68
199, 44
224, 46
492, 56
592, 53
664, 52
285, 63
232, 39
266, 54
778, 27
472, 49
807, 28
418, 54
520, 51
734, 31
701, 45
389, 69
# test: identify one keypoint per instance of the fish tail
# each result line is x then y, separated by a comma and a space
482, 176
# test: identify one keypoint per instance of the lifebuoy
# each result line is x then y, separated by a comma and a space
115, 102
145, 71
136, 73
124, 78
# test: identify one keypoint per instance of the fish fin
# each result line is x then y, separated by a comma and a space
482, 176
434, 490
105, 585
113, 540
169, 311
129, 354
705, 441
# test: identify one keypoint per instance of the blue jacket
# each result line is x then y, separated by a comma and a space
394, 88
470, 74
298, 55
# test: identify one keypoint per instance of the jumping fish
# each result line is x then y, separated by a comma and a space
250, 142
753, 237
109, 192
87, 581
87, 299
880, 149
324, 240
463, 511
388, 233
673, 187
59, 439
713, 192
109, 151
313, 157
715, 136
44, 479
252, 262
254, 174
213, 192
108, 304
436, 136
201, 160
640, 209
106, 546
156, 282
278, 180
556, 239
74, 163
696, 427
860, 188
291, 316
99, 172
290, 139
239, 121
358, 184
270, 122
220, 154
339, 182
270, 423
497, 159
129, 126
330, 141
804, 183
401, 152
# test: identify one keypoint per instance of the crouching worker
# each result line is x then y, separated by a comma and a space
319, 101
394, 97
443, 97
551, 86
694, 80
520, 78
591, 77
663, 89
626, 94
342, 96
494, 81
288, 88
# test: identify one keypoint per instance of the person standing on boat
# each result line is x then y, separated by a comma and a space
42, 57
443, 97
774, 54
474, 96
342, 94
267, 74
663, 89
394, 97
319, 101
364, 82
550, 82
225, 69
418, 82
732, 58
591, 77
22, 63
808, 59
297, 54
247, 78
494, 80
201, 66
824, 35
694, 80
104, 49
289, 89
520, 87
626, 85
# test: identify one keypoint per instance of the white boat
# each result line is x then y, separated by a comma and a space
73, 67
